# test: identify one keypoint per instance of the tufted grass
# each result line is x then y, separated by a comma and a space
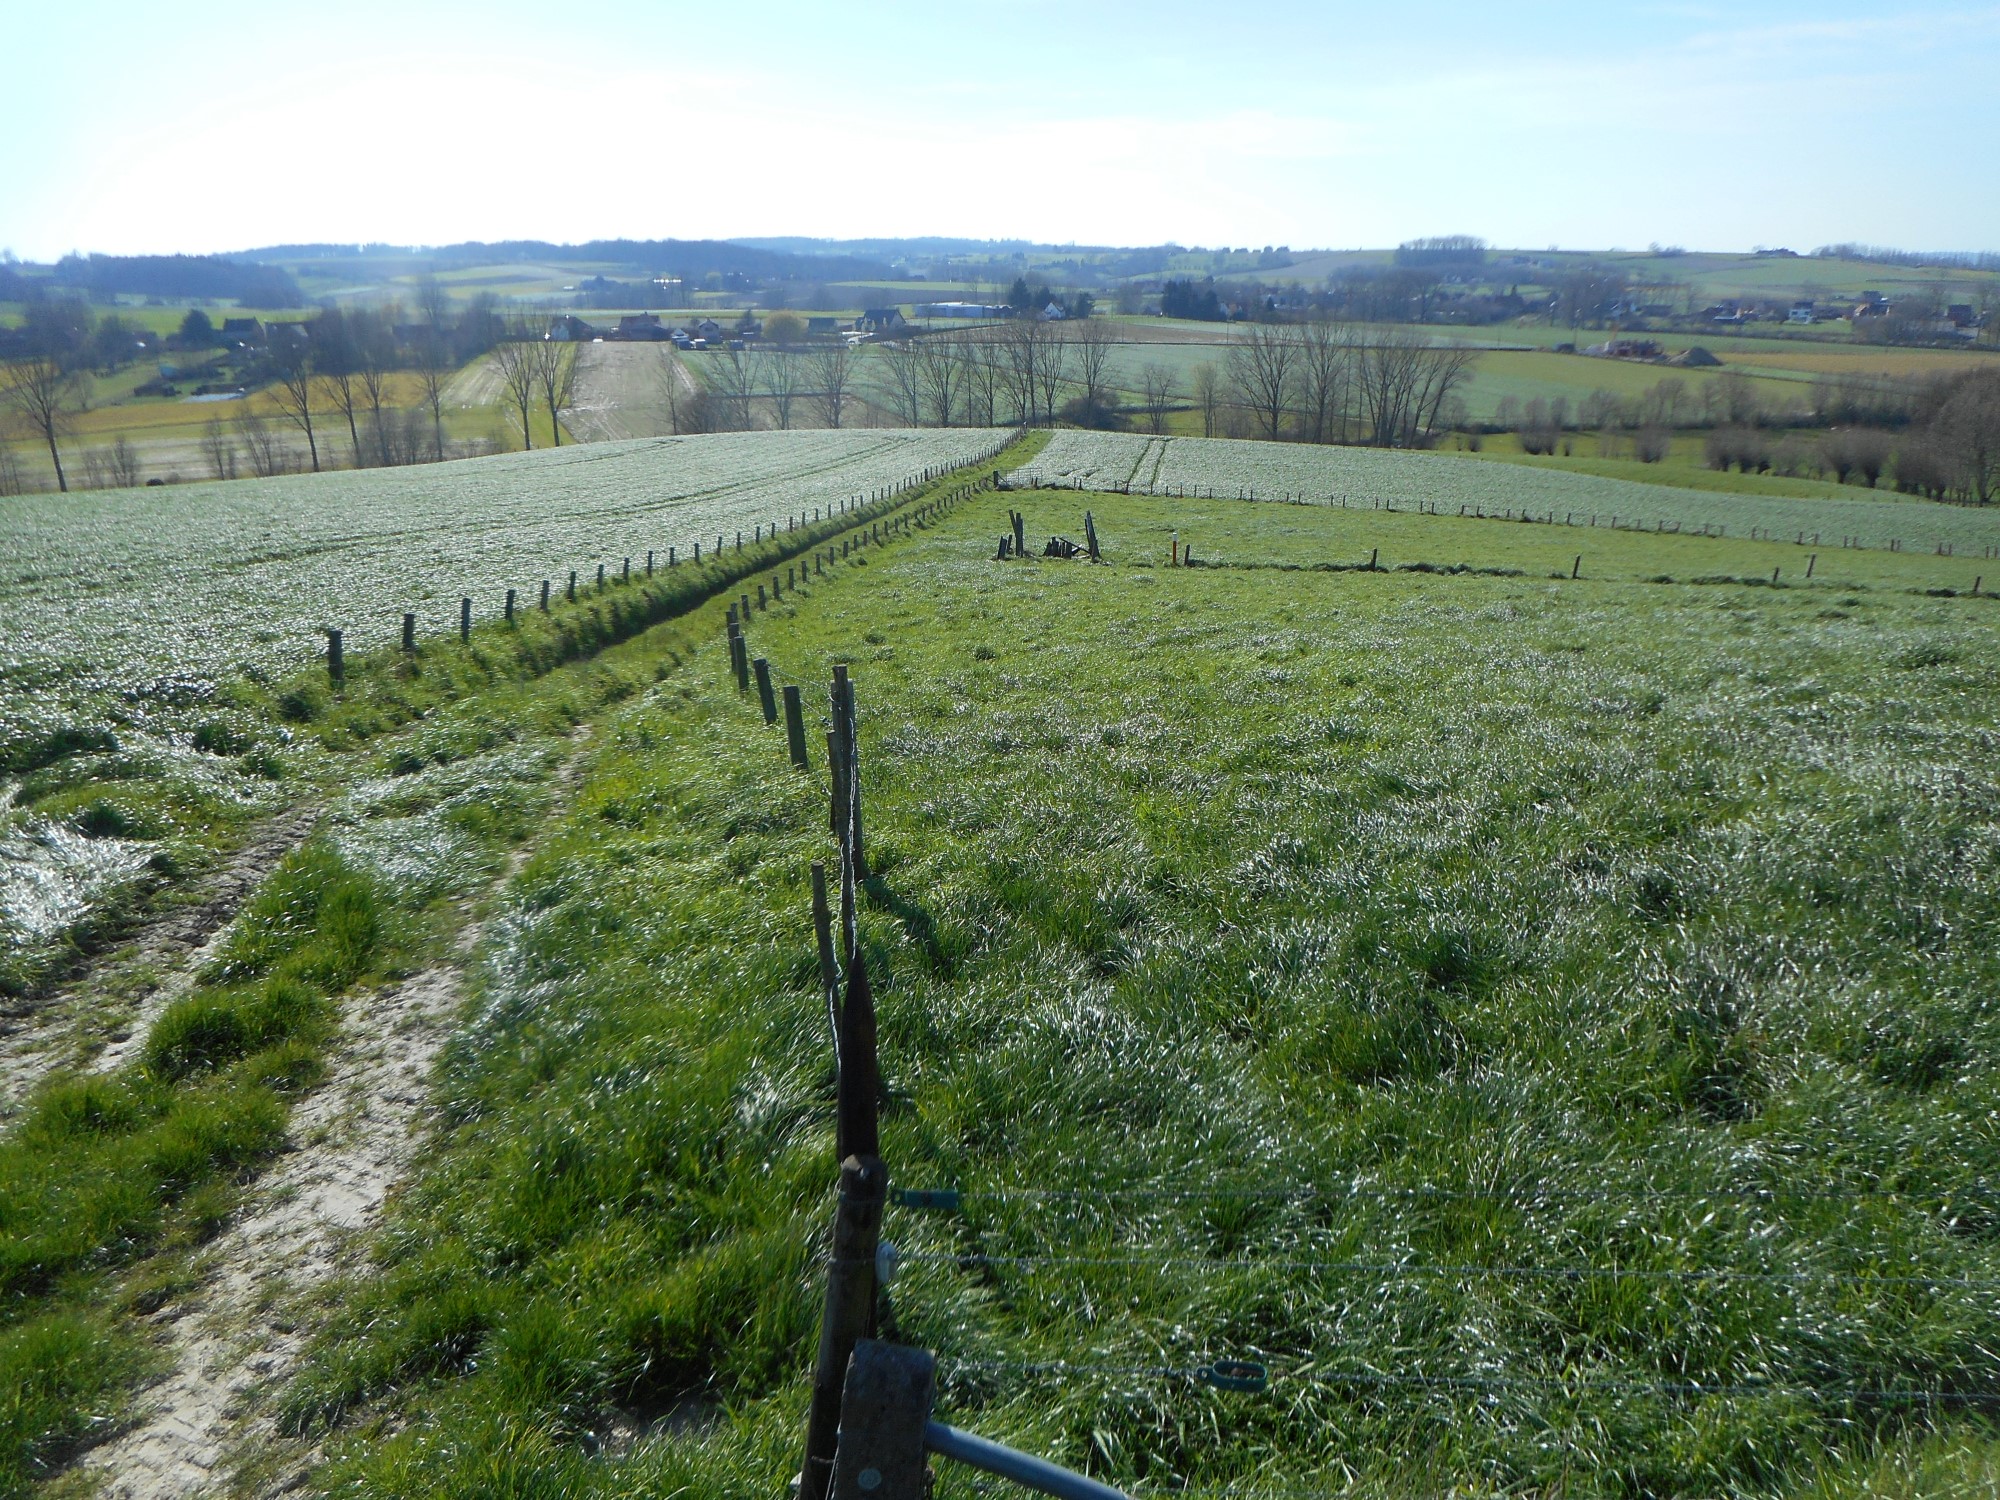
1312, 952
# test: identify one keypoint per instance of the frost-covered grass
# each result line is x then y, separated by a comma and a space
131, 590
1575, 997
135, 630
1366, 476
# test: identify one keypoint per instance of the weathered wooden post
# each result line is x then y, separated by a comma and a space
572, 585
1811, 563
409, 632
795, 728
464, 621
600, 577
336, 662
765, 698
649, 562
1576, 568
508, 613
626, 575
545, 596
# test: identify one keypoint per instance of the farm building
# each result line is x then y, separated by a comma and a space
970, 310
242, 333
569, 329
640, 328
880, 319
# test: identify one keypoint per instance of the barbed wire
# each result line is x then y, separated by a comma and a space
1625, 1385
1979, 1192
1469, 1272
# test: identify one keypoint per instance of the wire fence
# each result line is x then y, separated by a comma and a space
1252, 1372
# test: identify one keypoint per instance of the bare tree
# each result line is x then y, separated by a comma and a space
1020, 359
13, 479
1052, 369
1326, 375
737, 379
1093, 341
686, 400
555, 378
517, 360
900, 362
297, 388
781, 384
832, 368
267, 455
1404, 382
1966, 432
1208, 394
1263, 364
337, 354
982, 380
1157, 385
434, 373
218, 450
46, 392
375, 343
940, 372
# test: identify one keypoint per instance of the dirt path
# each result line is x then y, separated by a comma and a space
176, 944
619, 392
231, 1344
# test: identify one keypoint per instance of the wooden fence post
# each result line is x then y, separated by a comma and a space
849, 1312
336, 662
464, 621
545, 596
764, 696
409, 632
885, 1407
509, 611
795, 728
572, 585
600, 576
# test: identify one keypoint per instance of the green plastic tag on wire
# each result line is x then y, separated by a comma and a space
1234, 1375
943, 1200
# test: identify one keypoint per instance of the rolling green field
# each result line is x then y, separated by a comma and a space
1541, 1021
1545, 1021
1563, 493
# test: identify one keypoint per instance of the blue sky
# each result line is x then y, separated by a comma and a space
172, 126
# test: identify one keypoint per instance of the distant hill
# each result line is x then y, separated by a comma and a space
688, 258
196, 277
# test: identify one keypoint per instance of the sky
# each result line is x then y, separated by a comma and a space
187, 127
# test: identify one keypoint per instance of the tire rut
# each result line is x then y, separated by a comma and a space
231, 1344
178, 943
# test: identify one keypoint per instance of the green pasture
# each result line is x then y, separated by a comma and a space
1541, 1021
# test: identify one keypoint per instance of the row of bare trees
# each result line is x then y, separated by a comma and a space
1324, 381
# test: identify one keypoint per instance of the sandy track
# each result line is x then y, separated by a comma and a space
231, 1344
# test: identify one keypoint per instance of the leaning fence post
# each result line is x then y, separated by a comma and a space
764, 696
849, 1313
795, 728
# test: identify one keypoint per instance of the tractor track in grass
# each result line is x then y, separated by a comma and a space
209, 1422
38, 1039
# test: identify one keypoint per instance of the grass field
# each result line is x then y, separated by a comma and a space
1540, 1021
1544, 1020
126, 621
1369, 477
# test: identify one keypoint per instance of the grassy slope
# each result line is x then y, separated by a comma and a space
1397, 919
109, 1185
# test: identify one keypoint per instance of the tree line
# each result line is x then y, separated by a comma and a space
328, 377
